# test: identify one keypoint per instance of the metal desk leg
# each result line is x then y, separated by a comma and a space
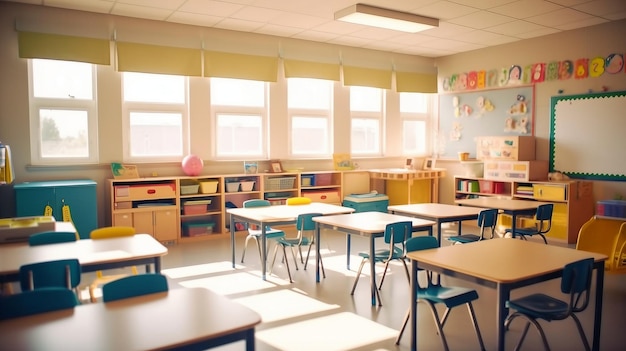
264, 252
232, 240
598, 308
413, 305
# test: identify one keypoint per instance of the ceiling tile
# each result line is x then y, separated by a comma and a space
481, 19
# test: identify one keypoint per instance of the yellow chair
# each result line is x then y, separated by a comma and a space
107, 233
606, 236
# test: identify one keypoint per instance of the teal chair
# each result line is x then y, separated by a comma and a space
304, 224
255, 233
396, 235
51, 274
434, 294
134, 285
576, 282
36, 301
487, 220
543, 223
45, 238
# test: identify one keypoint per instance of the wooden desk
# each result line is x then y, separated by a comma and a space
440, 213
512, 207
190, 319
504, 265
93, 255
366, 224
276, 215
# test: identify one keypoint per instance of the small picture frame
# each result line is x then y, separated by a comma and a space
429, 163
409, 163
250, 167
276, 166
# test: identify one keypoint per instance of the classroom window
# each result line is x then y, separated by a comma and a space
63, 115
415, 113
310, 103
366, 111
239, 111
155, 117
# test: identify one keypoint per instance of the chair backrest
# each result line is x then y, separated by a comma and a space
45, 238
256, 203
305, 221
112, 232
576, 281
544, 214
36, 301
487, 219
298, 201
417, 243
398, 232
134, 285
60, 274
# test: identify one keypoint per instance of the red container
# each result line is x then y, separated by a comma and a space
486, 186
323, 179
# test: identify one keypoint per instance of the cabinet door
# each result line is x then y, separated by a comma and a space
143, 222
31, 201
165, 225
81, 200
123, 219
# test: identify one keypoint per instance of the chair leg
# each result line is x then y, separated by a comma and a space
245, 245
529, 320
406, 321
308, 253
544, 238
294, 255
470, 308
433, 310
380, 286
287, 262
358, 275
274, 258
581, 332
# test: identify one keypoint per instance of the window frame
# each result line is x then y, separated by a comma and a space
426, 117
378, 116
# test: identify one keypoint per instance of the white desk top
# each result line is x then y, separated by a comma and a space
287, 212
436, 211
176, 318
87, 251
369, 222
502, 204
502, 260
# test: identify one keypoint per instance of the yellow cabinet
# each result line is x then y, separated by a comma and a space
549, 192
161, 223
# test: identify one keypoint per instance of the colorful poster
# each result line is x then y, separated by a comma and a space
580, 68
596, 67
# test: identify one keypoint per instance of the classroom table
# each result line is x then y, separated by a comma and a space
181, 318
440, 213
93, 255
366, 224
275, 215
512, 207
504, 265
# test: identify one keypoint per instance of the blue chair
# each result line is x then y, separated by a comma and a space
576, 282
434, 294
487, 219
134, 285
396, 235
45, 238
543, 218
255, 233
304, 224
51, 274
36, 301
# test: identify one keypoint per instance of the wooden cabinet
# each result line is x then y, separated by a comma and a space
573, 199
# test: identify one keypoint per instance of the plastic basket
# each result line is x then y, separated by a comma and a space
279, 183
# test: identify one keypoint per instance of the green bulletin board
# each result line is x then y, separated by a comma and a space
463, 116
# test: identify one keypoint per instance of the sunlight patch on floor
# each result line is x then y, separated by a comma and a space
340, 331
200, 269
233, 283
272, 306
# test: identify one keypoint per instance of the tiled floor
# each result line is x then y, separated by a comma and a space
307, 316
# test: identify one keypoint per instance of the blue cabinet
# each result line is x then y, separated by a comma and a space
31, 199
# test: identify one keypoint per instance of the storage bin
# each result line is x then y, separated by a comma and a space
521, 171
325, 196
195, 207
232, 187
307, 180
188, 189
486, 186
611, 208
279, 183
322, 179
366, 203
247, 185
197, 229
208, 186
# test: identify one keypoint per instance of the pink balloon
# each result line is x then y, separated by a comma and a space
192, 165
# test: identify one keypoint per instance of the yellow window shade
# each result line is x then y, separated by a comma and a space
367, 77
132, 57
317, 70
63, 47
239, 66
409, 82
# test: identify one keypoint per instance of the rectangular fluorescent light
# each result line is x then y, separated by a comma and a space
385, 18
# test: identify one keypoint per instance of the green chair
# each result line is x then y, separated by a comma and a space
134, 285
576, 282
255, 233
487, 219
45, 238
543, 218
36, 301
304, 224
396, 235
51, 274
434, 294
